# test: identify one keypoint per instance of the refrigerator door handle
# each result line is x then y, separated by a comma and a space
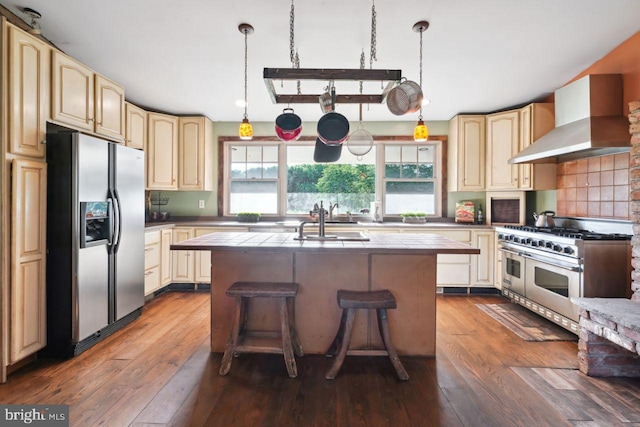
118, 228
110, 221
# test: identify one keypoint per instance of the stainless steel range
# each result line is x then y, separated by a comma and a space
543, 268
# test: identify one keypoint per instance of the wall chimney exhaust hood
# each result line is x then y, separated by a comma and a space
589, 123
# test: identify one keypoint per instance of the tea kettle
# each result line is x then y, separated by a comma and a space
544, 219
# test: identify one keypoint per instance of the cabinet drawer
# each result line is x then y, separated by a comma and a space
458, 235
453, 259
152, 255
151, 237
151, 280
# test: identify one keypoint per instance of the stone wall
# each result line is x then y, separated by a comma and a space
634, 189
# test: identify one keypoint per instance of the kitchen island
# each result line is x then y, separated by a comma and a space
403, 263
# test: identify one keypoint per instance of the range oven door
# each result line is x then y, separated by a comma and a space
513, 270
553, 284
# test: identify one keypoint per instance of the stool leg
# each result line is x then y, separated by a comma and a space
333, 348
343, 344
232, 342
297, 346
287, 349
383, 325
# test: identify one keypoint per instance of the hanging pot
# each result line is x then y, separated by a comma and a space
405, 98
324, 153
288, 125
333, 128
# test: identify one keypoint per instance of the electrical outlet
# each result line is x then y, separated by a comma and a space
201, 204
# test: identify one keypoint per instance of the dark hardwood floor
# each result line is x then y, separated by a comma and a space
158, 372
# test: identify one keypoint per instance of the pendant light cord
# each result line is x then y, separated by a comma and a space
421, 31
373, 55
245, 72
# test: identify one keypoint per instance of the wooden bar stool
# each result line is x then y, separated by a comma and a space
349, 301
240, 339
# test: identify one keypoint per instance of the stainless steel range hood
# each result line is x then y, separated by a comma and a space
589, 123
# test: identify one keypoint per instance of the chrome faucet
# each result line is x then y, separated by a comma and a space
331, 208
321, 215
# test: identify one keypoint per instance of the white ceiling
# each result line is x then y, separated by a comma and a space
187, 57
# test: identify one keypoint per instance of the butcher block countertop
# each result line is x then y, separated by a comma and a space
379, 243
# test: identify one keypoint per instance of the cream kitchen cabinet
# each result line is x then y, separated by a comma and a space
152, 259
503, 142
166, 238
482, 265
466, 153
195, 154
135, 135
29, 93
194, 266
85, 100
162, 152
536, 120
28, 259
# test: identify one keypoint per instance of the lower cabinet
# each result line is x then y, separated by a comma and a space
28, 257
465, 270
157, 259
194, 266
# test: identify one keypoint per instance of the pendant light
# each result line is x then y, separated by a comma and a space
420, 132
245, 131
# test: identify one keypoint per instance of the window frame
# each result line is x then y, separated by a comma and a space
224, 167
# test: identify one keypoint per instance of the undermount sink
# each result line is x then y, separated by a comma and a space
345, 236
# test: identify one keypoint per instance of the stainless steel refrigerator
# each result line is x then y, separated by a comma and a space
95, 239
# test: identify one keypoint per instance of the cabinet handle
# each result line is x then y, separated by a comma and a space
146, 273
148, 249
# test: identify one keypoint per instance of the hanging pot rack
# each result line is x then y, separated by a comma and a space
393, 77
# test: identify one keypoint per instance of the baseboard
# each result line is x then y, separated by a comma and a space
468, 290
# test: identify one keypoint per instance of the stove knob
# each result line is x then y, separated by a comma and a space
516, 240
568, 250
534, 243
557, 248
500, 236
528, 240
548, 245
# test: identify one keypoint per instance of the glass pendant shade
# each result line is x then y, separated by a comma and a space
420, 133
245, 132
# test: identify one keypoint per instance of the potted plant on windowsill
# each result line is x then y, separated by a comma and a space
414, 217
248, 217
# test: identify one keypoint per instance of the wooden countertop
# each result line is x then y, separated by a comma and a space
390, 243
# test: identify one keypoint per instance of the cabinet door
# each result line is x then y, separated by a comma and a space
28, 257
466, 152
482, 265
162, 152
183, 263
72, 91
525, 170
165, 256
502, 144
109, 104
203, 259
135, 127
29, 93
195, 154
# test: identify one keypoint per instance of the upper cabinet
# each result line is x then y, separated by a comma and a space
85, 100
535, 121
136, 127
466, 153
162, 152
502, 144
195, 158
29, 93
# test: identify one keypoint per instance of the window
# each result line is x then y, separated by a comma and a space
277, 178
253, 179
410, 179
349, 182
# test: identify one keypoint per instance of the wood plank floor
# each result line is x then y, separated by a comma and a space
158, 371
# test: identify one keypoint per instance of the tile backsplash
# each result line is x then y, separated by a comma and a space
597, 187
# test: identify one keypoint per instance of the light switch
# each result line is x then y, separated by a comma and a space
201, 204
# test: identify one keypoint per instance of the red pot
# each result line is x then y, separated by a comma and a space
288, 125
